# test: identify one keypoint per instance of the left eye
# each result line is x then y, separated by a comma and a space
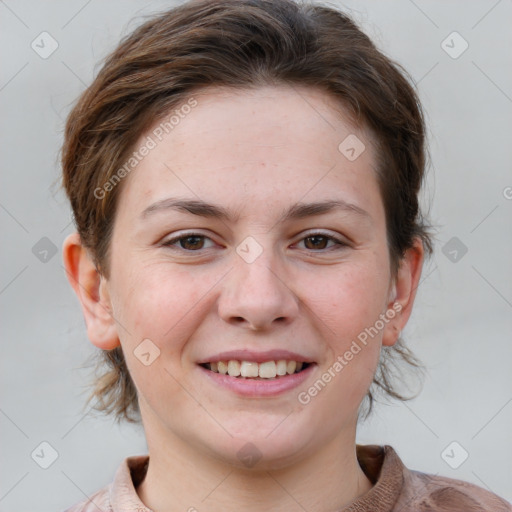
318, 241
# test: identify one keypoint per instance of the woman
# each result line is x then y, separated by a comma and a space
244, 177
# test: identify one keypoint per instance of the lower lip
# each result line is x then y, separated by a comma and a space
259, 387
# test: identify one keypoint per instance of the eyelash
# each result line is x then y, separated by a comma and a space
172, 241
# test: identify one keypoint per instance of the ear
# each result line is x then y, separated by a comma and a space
92, 291
403, 293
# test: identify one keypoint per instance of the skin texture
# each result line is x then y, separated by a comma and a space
255, 153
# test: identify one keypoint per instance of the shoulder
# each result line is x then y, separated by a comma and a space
425, 492
400, 489
121, 494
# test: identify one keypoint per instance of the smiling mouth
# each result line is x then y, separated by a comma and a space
252, 370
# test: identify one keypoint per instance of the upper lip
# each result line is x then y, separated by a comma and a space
256, 357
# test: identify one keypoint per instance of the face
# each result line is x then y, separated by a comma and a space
256, 277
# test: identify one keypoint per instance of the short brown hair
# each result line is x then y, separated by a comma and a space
241, 44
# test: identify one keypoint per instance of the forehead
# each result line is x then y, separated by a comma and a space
270, 116
271, 143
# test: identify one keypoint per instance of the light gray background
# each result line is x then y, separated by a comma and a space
461, 326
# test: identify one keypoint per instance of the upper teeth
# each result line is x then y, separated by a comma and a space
266, 370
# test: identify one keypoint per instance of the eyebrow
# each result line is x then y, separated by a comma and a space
296, 211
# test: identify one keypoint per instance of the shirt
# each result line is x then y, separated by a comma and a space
395, 489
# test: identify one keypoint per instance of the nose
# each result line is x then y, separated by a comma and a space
257, 295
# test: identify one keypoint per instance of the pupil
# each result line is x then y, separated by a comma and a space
196, 240
316, 238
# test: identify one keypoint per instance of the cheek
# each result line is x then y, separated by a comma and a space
157, 307
351, 300
151, 298
162, 303
349, 307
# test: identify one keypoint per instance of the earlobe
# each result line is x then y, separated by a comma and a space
92, 291
404, 292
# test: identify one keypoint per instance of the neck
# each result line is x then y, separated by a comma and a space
180, 478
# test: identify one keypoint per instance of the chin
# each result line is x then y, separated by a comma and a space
262, 447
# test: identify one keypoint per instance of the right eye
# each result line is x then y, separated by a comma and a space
190, 242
